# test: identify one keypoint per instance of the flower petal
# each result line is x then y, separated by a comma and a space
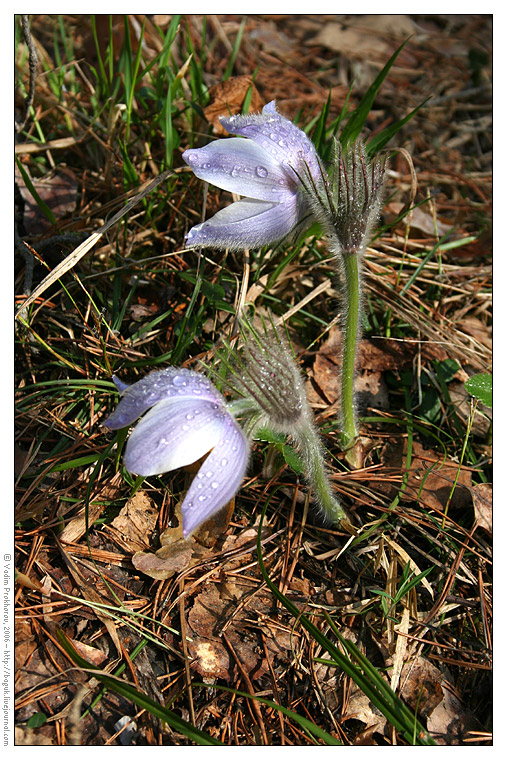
242, 167
218, 479
164, 383
174, 433
285, 142
247, 224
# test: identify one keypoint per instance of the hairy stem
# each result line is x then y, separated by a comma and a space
349, 427
310, 449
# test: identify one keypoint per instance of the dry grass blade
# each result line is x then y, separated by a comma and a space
78, 253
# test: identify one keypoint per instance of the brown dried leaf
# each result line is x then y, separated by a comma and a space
59, 193
430, 478
365, 36
227, 98
461, 401
210, 531
231, 607
374, 358
421, 685
29, 737
419, 219
477, 329
92, 654
206, 618
25, 644
77, 526
450, 720
482, 495
360, 708
137, 521
89, 592
167, 561
210, 658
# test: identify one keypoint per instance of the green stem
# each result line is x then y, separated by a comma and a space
310, 449
349, 427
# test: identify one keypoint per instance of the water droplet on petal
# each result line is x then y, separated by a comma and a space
261, 171
214, 484
235, 170
179, 380
223, 462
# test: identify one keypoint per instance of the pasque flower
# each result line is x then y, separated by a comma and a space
272, 394
287, 188
265, 168
185, 417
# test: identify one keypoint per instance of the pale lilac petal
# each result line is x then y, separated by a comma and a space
247, 224
175, 433
242, 167
164, 383
218, 480
121, 387
278, 136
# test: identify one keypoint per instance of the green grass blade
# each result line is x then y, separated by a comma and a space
308, 725
381, 140
358, 118
423, 263
141, 700
35, 195
235, 51
366, 676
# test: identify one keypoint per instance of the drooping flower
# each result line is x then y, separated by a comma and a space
265, 168
185, 417
265, 375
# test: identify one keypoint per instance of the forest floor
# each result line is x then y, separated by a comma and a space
104, 579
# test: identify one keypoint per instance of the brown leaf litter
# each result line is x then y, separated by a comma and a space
227, 98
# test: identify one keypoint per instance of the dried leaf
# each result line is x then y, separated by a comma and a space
59, 193
360, 708
91, 594
482, 495
227, 98
29, 737
374, 358
421, 685
478, 329
137, 521
419, 219
76, 528
450, 720
365, 36
431, 477
461, 402
92, 654
25, 644
167, 561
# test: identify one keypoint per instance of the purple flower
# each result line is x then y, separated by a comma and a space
266, 168
185, 418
